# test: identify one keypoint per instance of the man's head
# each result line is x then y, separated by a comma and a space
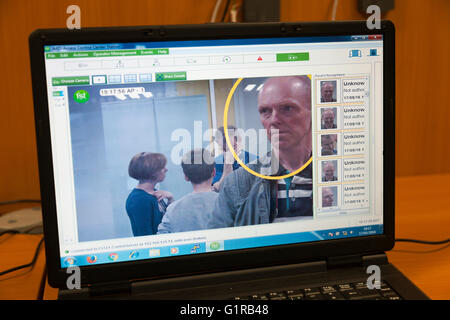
328, 118
328, 170
198, 166
328, 143
234, 136
327, 90
284, 105
327, 197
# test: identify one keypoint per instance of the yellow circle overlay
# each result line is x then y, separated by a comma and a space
225, 126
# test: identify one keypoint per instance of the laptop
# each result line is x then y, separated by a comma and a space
218, 161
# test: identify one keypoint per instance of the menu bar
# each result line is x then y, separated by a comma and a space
106, 53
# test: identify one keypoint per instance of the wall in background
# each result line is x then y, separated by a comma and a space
18, 164
422, 67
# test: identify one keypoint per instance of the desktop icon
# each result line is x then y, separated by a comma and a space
113, 256
134, 255
154, 252
91, 259
174, 250
214, 245
195, 248
70, 261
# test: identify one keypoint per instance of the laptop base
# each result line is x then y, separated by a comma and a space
260, 282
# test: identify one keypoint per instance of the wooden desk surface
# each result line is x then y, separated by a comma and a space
422, 212
17, 250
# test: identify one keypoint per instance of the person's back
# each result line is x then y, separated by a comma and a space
191, 212
142, 209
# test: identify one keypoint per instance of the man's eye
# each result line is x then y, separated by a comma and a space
264, 111
287, 108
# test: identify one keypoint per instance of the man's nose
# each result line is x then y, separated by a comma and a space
275, 118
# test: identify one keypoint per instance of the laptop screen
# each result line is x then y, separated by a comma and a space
174, 148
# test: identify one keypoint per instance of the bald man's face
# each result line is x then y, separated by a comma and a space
327, 145
284, 105
327, 92
329, 172
328, 119
327, 197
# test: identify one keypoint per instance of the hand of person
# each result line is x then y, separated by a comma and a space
161, 194
216, 187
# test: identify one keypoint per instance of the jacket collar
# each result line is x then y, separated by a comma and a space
270, 166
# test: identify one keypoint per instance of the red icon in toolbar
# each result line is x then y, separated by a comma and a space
375, 37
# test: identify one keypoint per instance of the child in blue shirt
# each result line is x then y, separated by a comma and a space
145, 205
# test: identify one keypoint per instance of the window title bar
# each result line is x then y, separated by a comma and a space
202, 43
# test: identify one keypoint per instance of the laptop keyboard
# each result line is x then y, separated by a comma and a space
347, 291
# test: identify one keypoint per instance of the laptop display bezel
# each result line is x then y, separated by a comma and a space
225, 260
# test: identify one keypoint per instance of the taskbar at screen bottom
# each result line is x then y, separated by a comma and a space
218, 245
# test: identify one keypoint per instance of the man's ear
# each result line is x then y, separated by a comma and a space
186, 178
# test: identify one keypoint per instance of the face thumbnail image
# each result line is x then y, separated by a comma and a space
328, 118
329, 171
328, 144
328, 92
329, 197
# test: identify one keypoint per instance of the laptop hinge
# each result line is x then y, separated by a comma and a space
356, 260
